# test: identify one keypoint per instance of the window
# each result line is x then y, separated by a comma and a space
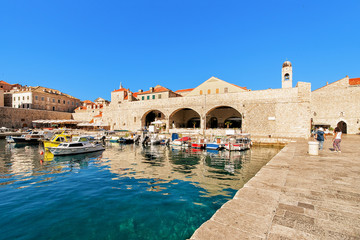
134, 119
287, 76
64, 101
225, 90
148, 97
19, 98
36, 97
159, 96
69, 102
142, 98
42, 98
217, 91
58, 100
28, 98
209, 91
23, 98
201, 92
53, 108
153, 96
48, 99
53, 100
14, 98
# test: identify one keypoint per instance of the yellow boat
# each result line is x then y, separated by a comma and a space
56, 140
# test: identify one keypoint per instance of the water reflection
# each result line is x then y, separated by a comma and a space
211, 170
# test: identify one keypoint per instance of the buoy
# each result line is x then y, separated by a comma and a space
41, 153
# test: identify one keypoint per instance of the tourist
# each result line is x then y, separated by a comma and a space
320, 137
337, 139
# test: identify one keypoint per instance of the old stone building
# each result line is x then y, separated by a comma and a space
43, 98
215, 105
337, 104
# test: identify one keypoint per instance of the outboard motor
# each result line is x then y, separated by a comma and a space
145, 141
137, 139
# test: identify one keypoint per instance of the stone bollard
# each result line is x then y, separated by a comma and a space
314, 148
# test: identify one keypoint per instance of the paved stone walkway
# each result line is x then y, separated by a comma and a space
295, 196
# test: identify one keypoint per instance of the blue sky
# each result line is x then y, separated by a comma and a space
86, 48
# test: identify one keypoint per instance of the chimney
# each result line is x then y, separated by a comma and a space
152, 89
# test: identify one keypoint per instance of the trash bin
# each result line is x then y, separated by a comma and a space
313, 148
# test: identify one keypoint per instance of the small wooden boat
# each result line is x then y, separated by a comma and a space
217, 144
239, 143
30, 138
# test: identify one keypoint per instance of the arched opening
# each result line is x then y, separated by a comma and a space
152, 116
185, 118
343, 126
287, 76
223, 117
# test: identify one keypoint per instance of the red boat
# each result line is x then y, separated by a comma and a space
199, 145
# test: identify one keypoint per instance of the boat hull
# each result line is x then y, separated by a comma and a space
72, 151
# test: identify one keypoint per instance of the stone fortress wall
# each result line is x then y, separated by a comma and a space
21, 117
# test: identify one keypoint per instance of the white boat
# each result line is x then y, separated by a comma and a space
239, 143
78, 145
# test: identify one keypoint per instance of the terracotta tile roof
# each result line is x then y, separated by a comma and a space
88, 101
99, 115
135, 94
354, 81
81, 108
120, 90
184, 90
4, 82
156, 90
245, 88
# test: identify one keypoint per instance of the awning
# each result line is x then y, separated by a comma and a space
158, 122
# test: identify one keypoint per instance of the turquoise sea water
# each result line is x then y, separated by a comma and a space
125, 192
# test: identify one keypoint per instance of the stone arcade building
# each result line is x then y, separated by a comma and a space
216, 105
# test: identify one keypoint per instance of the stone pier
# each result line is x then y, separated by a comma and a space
295, 196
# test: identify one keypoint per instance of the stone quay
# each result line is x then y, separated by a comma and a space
295, 196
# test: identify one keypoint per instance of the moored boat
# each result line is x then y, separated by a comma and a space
77, 146
30, 138
56, 140
239, 143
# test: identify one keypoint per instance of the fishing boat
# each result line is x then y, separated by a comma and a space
78, 145
217, 144
239, 143
56, 140
199, 144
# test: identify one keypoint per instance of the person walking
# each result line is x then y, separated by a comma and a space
337, 139
320, 137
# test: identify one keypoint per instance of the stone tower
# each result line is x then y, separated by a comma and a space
286, 75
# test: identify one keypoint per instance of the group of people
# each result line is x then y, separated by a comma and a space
320, 136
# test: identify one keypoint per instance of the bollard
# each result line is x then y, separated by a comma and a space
314, 148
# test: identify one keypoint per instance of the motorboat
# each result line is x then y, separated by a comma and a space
126, 140
182, 142
56, 140
217, 144
239, 143
31, 138
200, 144
114, 139
80, 144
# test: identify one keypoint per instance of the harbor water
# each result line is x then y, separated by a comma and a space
124, 192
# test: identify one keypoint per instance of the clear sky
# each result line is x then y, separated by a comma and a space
86, 48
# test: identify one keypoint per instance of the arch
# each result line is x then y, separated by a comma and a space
151, 116
226, 117
343, 126
287, 76
185, 118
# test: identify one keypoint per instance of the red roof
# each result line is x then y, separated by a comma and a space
88, 101
4, 82
81, 108
135, 94
184, 90
156, 90
354, 81
100, 115
245, 88
120, 90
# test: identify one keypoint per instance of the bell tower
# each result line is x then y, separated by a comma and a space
286, 75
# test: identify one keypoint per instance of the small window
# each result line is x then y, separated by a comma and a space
48, 99
69, 102
72, 103
217, 91
19, 98
201, 92
28, 97
287, 76
53, 108
153, 96
36, 97
148, 97
53, 100
134, 119
209, 91
14, 98
58, 100
23, 98
159, 96
226, 90
42, 98
142, 98
64, 101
